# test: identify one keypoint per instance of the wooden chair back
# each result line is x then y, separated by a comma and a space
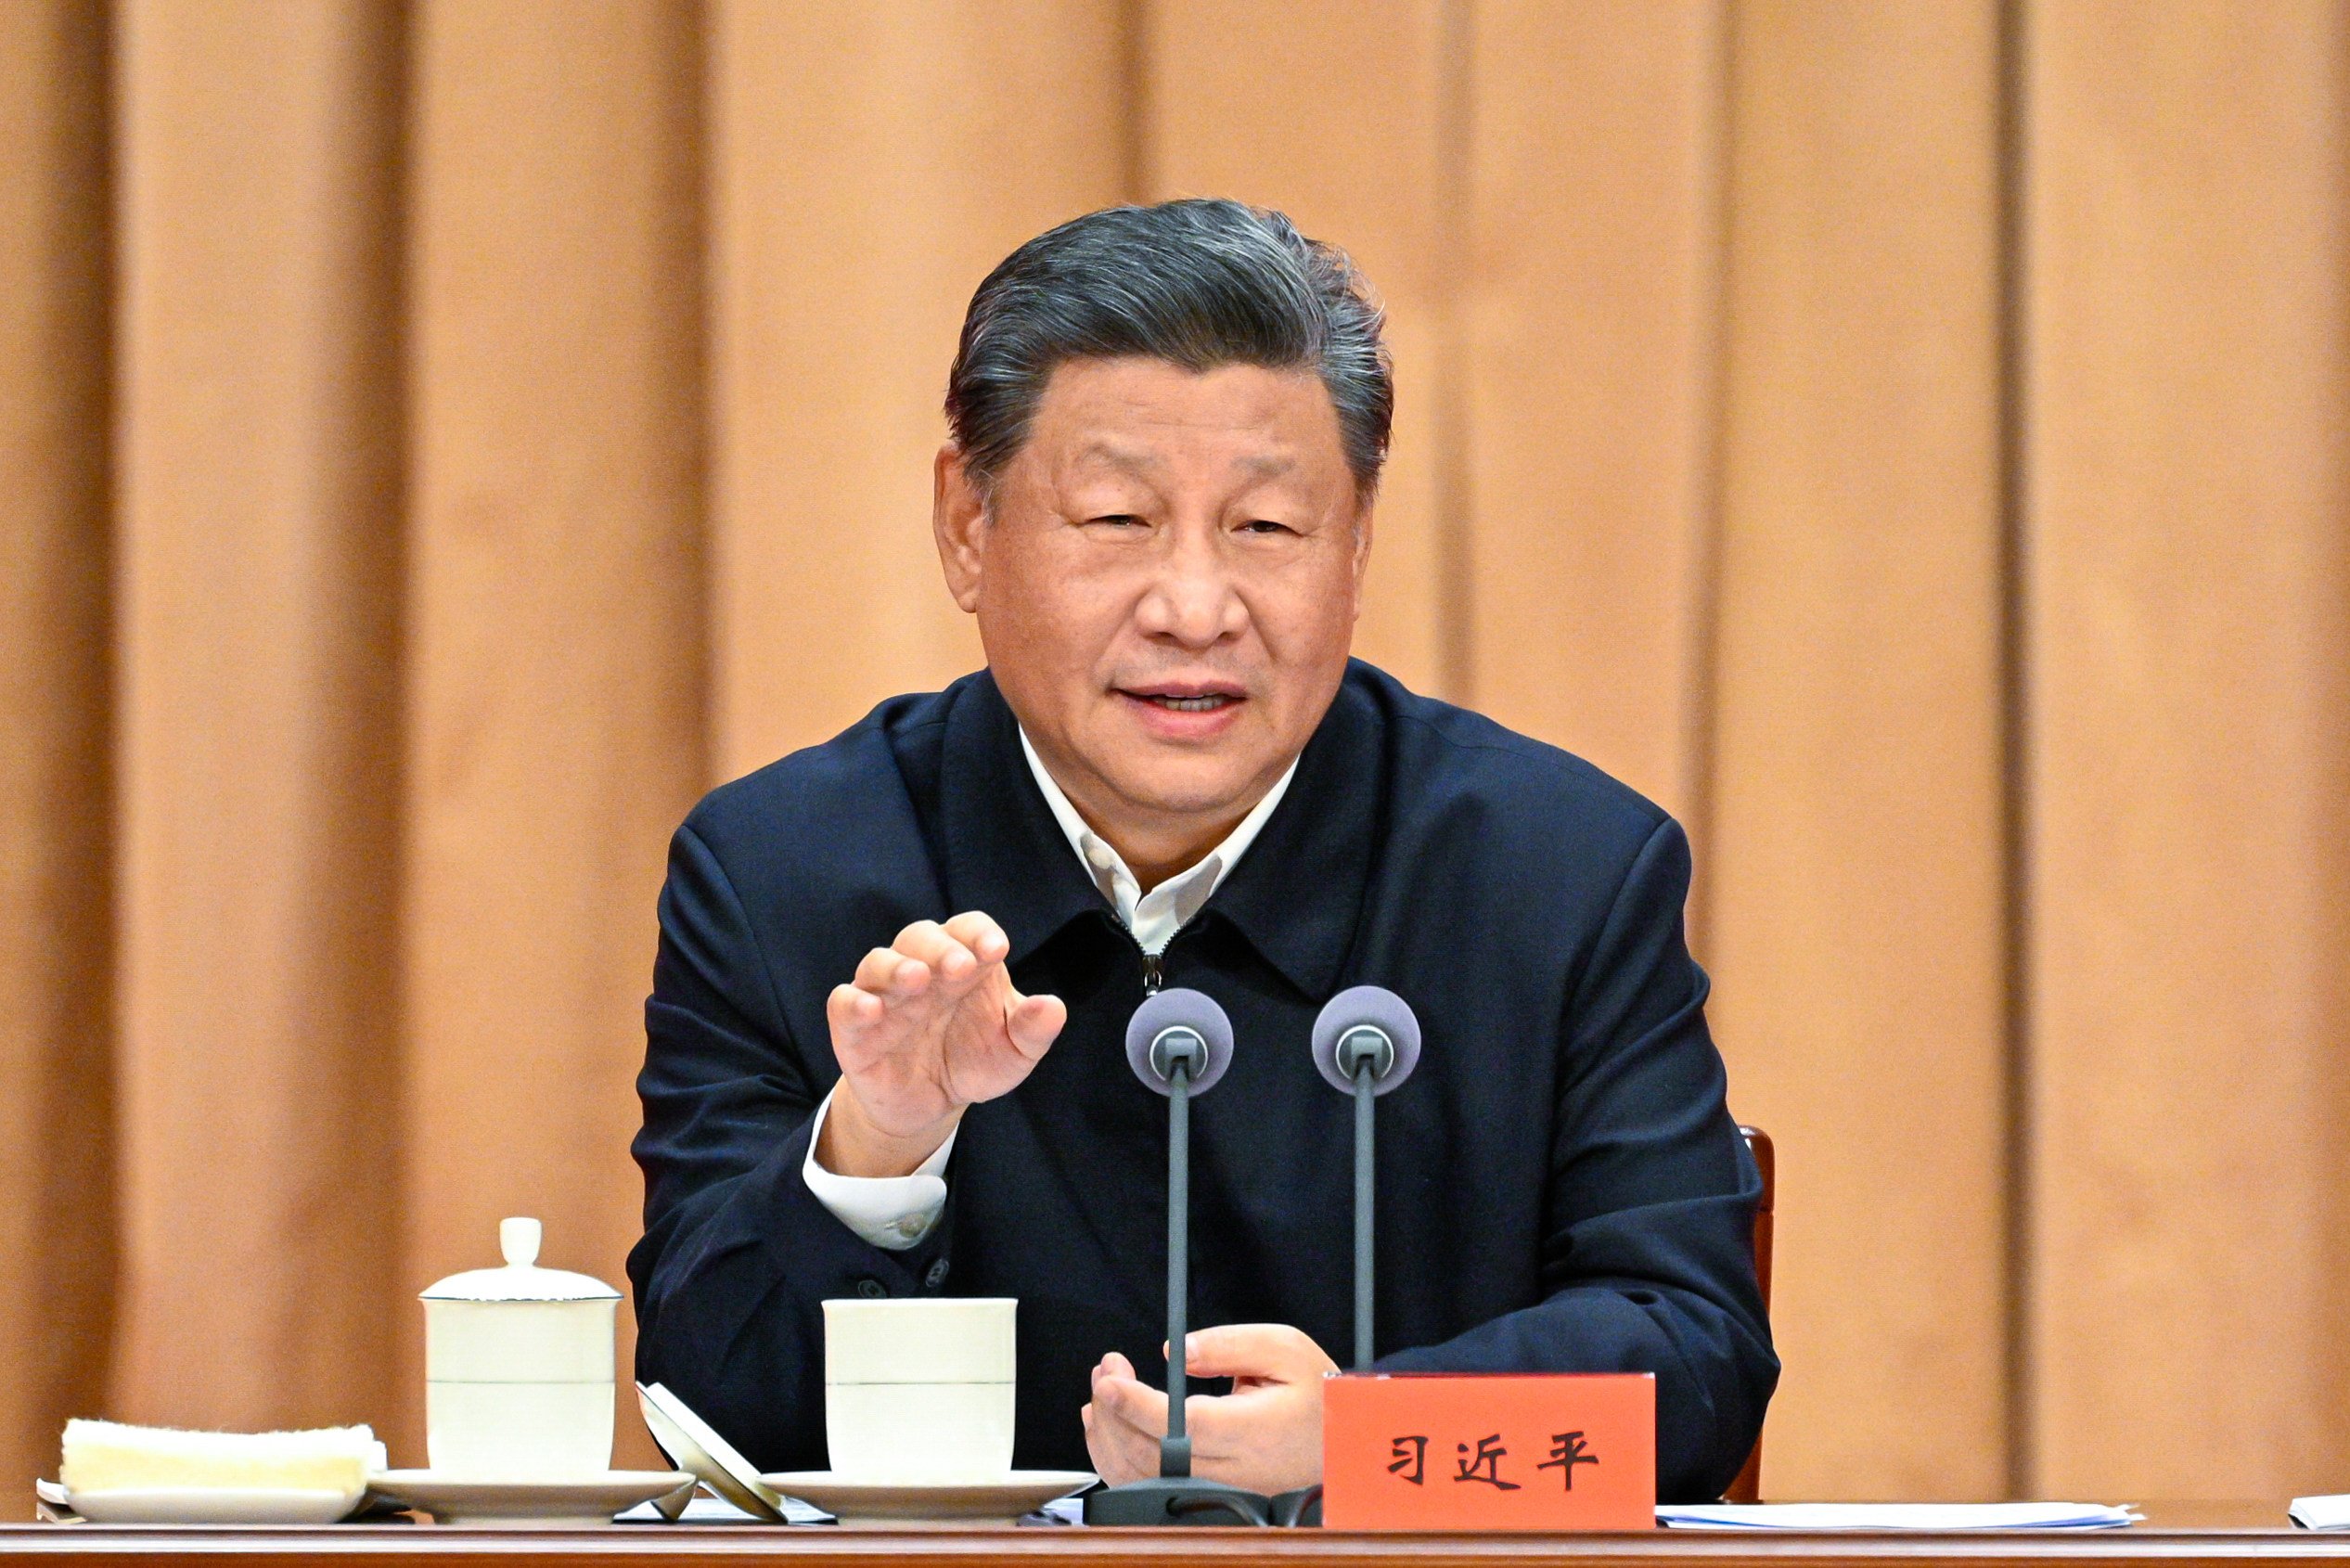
1748, 1487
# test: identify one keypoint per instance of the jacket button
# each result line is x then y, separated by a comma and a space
936, 1276
871, 1290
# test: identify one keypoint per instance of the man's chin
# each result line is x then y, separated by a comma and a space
1190, 787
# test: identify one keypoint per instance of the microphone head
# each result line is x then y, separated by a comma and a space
1367, 1007
1174, 1019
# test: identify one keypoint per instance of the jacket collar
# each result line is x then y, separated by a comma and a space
1000, 850
1295, 897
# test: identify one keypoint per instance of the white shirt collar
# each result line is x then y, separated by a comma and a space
1155, 916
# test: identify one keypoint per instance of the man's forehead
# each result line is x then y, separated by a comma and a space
1135, 416
1098, 450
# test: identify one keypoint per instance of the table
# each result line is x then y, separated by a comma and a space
2176, 1536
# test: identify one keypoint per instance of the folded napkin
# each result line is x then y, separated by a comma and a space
110, 1457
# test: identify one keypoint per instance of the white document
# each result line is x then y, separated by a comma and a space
2322, 1513
717, 1511
1896, 1516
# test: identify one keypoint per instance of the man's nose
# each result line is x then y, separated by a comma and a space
1192, 599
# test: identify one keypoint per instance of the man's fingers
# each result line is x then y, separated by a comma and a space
892, 976
1121, 1449
1112, 1419
1130, 1417
927, 942
980, 934
934, 999
1218, 1424
1119, 1452
1035, 1022
1137, 1403
849, 1006
1254, 1350
1266, 1435
1112, 1364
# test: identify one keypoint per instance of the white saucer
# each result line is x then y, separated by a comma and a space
691, 1445
590, 1501
213, 1505
1007, 1497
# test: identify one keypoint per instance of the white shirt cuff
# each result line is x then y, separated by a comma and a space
892, 1213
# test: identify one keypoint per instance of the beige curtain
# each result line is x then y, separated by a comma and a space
441, 439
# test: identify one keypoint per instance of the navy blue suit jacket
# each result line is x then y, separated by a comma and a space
1560, 1184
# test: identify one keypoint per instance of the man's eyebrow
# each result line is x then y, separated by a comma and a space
1265, 465
1117, 456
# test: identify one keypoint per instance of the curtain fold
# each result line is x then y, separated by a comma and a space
57, 1085
256, 527
554, 589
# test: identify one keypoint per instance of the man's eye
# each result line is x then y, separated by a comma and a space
1118, 520
1265, 525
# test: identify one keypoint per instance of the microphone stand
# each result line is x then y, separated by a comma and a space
1366, 1074
1366, 1043
1175, 1449
1179, 1043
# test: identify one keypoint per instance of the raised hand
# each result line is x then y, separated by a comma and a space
930, 1026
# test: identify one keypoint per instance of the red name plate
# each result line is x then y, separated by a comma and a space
1438, 1451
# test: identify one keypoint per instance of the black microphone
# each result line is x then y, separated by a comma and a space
1366, 1043
1179, 1043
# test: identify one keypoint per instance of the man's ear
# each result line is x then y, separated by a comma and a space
958, 522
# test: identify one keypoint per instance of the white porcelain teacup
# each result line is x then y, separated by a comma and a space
919, 1390
518, 1369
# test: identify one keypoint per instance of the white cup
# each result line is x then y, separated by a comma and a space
518, 1369
919, 1390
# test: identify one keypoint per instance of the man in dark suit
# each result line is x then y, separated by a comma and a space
886, 1030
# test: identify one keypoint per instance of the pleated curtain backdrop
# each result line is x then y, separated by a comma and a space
1910, 442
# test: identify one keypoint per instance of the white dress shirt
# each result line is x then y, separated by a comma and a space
897, 1212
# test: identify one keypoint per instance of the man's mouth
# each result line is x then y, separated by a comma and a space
1185, 698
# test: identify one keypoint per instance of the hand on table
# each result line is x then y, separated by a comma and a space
1266, 1435
930, 1026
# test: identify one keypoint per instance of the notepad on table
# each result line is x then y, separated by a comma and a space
1895, 1516
2329, 1512
717, 1511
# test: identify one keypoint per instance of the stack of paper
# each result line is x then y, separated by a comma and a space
1895, 1516
2322, 1513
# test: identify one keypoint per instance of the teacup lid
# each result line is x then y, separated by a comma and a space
521, 1279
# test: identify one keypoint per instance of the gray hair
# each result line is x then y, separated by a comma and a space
1198, 283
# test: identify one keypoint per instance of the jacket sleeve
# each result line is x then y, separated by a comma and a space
1648, 1260
738, 1254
